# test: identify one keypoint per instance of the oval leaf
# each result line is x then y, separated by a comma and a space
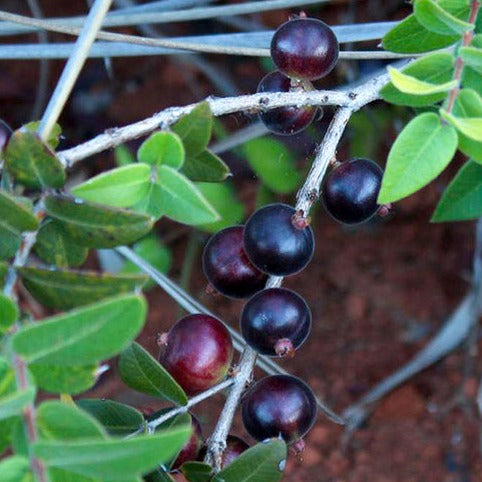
262, 463
152, 202
71, 379
140, 371
468, 126
14, 403
162, 148
472, 56
54, 136
197, 471
410, 85
94, 225
206, 166
15, 469
86, 335
434, 18
462, 199
120, 187
8, 313
421, 152
68, 289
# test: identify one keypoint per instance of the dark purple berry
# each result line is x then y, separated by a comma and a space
227, 267
273, 244
198, 352
304, 48
191, 449
235, 446
350, 191
279, 405
276, 322
284, 120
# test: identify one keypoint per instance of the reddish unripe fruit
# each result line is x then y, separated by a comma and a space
191, 449
235, 446
279, 405
274, 244
304, 48
227, 267
276, 322
350, 191
284, 120
198, 352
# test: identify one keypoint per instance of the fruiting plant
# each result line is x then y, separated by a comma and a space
51, 229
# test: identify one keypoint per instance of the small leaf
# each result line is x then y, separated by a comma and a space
65, 289
140, 371
468, 126
7, 378
55, 248
14, 403
411, 85
83, 336
31, 162
54, 136
117, 418
71, 379
195, 129
123, 156
182, 201
263, 462
158, 475
8, 313
472, 56
3, 272
94, 225
197, 471
162, 148
462, 199
152, 202
114, 459
207, 167
120, 187
15, 469
6, 427
434, 18
421, 152
222, 196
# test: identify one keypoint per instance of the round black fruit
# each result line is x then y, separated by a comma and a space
279, 405
274, 244
284, 120
304, 48
227, 267
350, 191
276, 322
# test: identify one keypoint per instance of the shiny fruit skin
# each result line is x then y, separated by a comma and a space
272, 315
191, 449
227, 267
274, 245
235, 446
284, 120
279, 405
351, 189
304, 48
198, 352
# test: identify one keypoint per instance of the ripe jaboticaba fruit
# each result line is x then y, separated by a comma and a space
276, 322
227, 267
284, 120
274, 244
197, 353
279, 405
350, 191
304, 48
191, 449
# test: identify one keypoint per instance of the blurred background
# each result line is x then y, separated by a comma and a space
378, 291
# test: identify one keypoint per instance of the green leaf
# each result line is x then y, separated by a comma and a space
182, 201
65, 289
462, 199
410, 37
274, 164
31, 162
223, 198
197, 471
86, 335
436, 68
61, 421
117, 418
14, 403
140, 371
3, 273
15, 469
206, 166
72, 379
6, 427
262, 463
54, 136
162, 148
7, 377
55, 248
411, 85
469, 104
112, 459
472, 56
8, 313
421, 152
158, 475
195, 129
152, 203
10, 243
94, 225
434, 18
123, 156
120, 187
469, 126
